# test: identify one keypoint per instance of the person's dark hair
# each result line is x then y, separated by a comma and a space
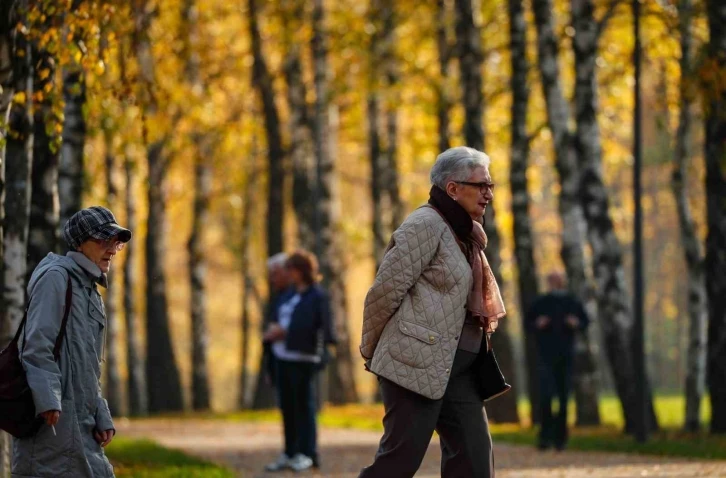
306, 263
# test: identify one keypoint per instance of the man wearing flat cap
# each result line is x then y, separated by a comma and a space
67, 392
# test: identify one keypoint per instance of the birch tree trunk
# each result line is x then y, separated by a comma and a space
44, 208
18, 173
299, 124
390, 71
200, 222
443, 103
469, 52
613, 301
70, 173
114, 387
341, 378
10, 41
382, 115
138, 399
162, 375
263, 82
248, 286
523, 244
572, 250
6, 41
715, 155
697, 309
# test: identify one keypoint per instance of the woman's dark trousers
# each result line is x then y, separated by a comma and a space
459, 419
296, 395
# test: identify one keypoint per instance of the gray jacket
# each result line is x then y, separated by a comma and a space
72, 385
415, 310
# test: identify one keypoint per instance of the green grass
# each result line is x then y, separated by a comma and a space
146, 459
671, 441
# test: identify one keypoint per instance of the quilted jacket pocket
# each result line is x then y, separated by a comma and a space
414, 345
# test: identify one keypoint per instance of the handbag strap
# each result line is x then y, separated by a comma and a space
61, 333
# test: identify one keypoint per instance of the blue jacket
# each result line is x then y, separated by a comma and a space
311, 320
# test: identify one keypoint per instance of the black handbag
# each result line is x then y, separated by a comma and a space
492, 383
17, 409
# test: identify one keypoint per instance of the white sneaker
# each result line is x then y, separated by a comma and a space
300, 462
283, 461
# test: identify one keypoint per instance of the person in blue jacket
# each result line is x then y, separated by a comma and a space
300, 331
555, 318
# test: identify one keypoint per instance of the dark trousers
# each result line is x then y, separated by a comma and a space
555, 381
296, 395
459, 418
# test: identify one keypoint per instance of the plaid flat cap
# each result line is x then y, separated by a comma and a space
94, 222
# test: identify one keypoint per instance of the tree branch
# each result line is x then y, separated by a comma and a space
603, 23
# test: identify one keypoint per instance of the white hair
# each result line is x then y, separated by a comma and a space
278, 260
457, 164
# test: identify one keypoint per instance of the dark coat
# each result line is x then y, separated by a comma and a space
557, 338
311, 321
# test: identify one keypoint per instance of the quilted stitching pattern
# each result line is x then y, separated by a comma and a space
415, 309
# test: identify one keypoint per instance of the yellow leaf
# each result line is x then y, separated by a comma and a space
44, 73
19, 98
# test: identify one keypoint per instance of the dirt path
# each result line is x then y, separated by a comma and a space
247, 447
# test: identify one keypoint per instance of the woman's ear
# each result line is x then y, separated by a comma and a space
451, 189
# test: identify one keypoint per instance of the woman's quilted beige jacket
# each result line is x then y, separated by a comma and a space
415, 310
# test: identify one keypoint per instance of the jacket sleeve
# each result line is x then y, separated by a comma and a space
326, 316
103, 414
412, 248
45, 314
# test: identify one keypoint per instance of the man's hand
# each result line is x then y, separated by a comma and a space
51, 417
274, 333
572, 321
105, 437
542, 322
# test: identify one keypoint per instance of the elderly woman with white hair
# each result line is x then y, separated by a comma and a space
426, 327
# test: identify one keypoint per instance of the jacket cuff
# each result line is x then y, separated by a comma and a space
103, 416
46, 396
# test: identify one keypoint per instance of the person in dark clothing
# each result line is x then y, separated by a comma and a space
300, 331
555, 318
281, 291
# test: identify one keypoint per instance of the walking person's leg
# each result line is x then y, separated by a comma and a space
563, 380
466, 444
546, 391
307, 413
286, 402
408, 425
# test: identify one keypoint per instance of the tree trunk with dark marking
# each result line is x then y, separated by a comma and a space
572, 250
162, 374
263, 82
200, 222
613, 300
693, 251
523, 243
715, 155
341, 376
470, 58
137, 391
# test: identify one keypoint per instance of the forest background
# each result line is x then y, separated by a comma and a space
224, 132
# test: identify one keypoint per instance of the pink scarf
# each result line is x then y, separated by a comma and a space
485, 299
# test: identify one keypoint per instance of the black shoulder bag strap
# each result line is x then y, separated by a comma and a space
61, 333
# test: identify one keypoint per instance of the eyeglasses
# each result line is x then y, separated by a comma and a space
109, 244
483, 186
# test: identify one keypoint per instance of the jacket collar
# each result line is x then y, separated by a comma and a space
93, 272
